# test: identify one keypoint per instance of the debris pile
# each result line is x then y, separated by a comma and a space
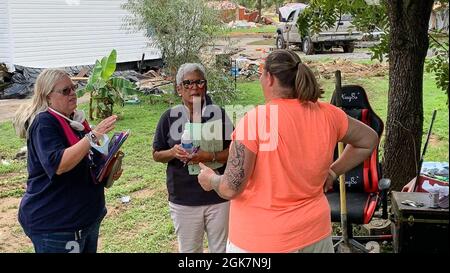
229, 11
326, 70
22, 80
246, 67
147, 82
153, 79
20, 83
5, 78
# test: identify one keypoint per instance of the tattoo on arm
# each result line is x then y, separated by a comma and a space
235, 174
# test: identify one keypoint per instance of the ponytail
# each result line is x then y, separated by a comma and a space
293, 75
306, 86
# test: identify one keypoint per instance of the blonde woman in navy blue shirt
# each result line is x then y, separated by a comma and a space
62, 207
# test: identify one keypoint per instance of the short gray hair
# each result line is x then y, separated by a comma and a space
188, 68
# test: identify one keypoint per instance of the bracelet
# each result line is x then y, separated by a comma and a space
332, 173
214, 157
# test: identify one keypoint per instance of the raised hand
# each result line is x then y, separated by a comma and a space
105, 126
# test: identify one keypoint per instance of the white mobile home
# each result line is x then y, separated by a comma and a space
62, 33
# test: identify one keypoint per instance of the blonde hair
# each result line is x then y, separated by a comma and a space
292, 74
44, 85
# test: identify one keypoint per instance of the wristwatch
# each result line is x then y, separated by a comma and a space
92, 138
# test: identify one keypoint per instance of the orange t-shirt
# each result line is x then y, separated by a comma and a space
283, 207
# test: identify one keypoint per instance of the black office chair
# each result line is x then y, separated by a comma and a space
365, 191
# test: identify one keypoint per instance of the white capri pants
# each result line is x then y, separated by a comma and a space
191, 222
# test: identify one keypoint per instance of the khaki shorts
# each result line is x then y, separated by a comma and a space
323, 246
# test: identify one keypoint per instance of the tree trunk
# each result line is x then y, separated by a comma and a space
259, 11
173, 72
408, 48
91, 109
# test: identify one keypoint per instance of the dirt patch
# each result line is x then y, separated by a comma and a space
7, 175
9, 185
144, 193
434, 140
115, 209
12, 237
8, 108
348, 68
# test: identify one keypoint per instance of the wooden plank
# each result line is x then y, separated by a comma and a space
79, 78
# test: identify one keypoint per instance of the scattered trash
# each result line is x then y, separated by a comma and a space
5, 162
133, 100
151, 91
241, 24
234, 71
246, 68
125, 199
436, 169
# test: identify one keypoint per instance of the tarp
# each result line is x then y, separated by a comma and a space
23, 80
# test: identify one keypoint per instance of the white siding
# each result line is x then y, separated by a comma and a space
5, 41
57, 33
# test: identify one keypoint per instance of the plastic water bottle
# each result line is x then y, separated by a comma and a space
186, 141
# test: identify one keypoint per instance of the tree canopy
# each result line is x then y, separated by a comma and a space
180, 28
405, 43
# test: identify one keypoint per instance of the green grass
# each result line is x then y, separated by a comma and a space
266, 29
144, 224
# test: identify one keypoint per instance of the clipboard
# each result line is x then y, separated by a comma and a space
114, 155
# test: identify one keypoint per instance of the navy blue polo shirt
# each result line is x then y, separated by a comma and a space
183, 188
57, 203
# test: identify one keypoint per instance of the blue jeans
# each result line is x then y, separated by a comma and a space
81, 241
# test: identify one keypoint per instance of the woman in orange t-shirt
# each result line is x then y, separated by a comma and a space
281, 163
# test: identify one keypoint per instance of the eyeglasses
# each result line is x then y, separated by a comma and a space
190, 83
66, 91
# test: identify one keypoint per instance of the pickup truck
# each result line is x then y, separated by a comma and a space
342, 34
